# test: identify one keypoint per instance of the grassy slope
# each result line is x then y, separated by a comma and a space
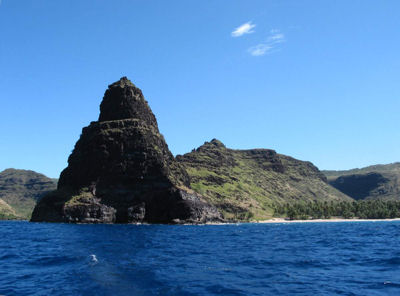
244, 184
388, 190
21, 189
6, 211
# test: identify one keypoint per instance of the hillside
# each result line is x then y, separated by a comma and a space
6, 212
245, 184
21, 189
372, 182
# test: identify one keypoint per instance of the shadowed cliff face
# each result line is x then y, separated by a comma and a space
121, 170
380, 181
361, 186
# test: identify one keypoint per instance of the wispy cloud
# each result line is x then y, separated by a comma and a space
246, 28
269, 46
260, 49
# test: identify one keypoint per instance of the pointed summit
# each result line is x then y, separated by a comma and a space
123, 100
124, 81
214, 144
217, 143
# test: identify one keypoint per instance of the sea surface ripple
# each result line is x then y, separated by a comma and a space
355, 258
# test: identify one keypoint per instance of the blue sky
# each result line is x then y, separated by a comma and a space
316, 80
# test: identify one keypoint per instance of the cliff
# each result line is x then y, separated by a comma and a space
121, 171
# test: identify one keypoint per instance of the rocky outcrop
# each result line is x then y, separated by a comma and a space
121, 171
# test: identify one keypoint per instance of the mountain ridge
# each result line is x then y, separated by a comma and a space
246, 184
381, 181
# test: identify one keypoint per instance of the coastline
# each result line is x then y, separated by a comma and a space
283, 220
269, 221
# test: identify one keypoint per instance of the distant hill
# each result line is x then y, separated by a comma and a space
20, 190
6, 211
372, 182
249, 182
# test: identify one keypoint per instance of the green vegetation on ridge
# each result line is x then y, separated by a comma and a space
20, 190
247, 184
378, 168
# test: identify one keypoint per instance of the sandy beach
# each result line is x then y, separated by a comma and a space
282, 220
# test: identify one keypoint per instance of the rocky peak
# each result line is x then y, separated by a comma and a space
121, 170
213, 145
217, 143
123, 100
124, 81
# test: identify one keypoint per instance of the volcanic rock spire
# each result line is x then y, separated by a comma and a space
121, 170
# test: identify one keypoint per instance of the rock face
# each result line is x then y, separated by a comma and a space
121, 171
246, 184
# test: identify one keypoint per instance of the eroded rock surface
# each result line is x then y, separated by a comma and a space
121, 171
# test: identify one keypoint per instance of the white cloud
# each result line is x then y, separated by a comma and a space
246, 28
259, 50
270, 45
277, 37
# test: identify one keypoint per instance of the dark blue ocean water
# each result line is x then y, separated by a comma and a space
355, 258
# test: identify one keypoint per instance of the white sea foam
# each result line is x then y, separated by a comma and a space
93, 258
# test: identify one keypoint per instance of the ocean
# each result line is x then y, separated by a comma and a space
353, 258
